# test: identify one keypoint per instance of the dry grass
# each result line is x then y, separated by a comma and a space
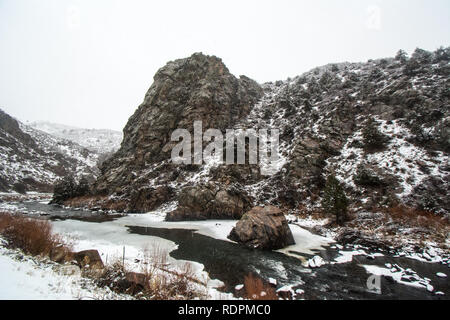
415, 217
256, 289
304, 212
34, 237
163, 283
401, 224
155, 281
173, 285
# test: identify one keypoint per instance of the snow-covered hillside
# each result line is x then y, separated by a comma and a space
328, 120
96, 140
32, 160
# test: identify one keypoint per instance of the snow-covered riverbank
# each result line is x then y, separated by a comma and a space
26, 278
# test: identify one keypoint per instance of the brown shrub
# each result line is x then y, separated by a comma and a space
156, 281
416, 217
119, 206
32, 236
163, 283
256, 289
304, 212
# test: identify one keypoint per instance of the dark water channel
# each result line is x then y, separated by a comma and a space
230, 263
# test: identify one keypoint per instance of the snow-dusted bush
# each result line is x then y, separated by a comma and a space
34, 237
366, 178
68, 188
373, 139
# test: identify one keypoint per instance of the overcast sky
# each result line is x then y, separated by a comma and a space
89, 63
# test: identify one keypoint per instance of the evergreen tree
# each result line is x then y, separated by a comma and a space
401, 56
64, 190
334, 199
422, 56
68, 188
441, 54
83, 187
372, 137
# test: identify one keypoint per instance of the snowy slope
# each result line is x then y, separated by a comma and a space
96, 140
35, 160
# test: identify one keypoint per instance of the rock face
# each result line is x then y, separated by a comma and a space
198, 88
263, 228
147, 198
210, 202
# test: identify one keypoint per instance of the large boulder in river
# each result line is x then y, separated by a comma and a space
263, 228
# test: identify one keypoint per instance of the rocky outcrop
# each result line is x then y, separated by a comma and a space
148, 199
210, 202
198, 88
263, 228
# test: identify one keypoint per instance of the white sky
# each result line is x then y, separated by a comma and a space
89, 63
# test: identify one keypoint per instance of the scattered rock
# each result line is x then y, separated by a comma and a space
355, 237
59, 255
299, 291
273, 281
286, 293
441, 275
316, 262
70, 270
89, 259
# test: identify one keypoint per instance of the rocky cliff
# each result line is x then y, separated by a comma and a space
196, 88
381, 127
